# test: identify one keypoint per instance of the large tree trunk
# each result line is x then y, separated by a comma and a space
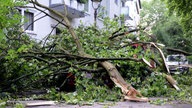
115, 76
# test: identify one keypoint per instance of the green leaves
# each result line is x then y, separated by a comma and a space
19, 105
82, 1
12, 54
159, 101
7, 8
183, 10
87, 93
41, 65
167, 27
23, 48
1, 34
2, 103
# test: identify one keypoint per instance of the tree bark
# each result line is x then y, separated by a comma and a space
115, 76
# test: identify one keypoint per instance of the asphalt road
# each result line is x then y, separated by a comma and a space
120, 105
124, 104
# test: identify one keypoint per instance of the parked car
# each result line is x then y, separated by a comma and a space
176, 63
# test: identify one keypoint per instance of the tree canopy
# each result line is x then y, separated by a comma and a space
183, 9
165, 26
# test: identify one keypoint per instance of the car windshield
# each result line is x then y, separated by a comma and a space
175, 58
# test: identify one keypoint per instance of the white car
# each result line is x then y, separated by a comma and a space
176, 63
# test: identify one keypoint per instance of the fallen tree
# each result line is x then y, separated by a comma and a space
126, 88
61, 60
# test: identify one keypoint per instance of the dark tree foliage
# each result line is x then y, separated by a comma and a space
183, 8
165, 26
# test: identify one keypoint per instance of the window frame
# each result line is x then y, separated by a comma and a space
122, 4
116, 2
29, 20
86, 7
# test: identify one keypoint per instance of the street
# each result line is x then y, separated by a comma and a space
124, 104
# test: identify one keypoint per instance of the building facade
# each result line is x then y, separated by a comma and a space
132, 18
78, 13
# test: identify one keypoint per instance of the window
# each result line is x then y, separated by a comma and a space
71, 2
29, 17
137, 8
86, 7
57, 31
122, 4
116, 2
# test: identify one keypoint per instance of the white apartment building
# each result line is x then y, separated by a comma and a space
133, 16
79, 13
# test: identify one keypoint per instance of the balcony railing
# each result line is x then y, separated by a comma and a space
71, 11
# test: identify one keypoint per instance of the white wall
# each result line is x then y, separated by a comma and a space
43, 26
110, 7
133, 13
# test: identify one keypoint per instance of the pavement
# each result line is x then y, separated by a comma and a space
123, 104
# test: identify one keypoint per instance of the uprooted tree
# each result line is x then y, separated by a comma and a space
67, 53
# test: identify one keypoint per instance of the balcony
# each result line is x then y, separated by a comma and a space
71, 12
